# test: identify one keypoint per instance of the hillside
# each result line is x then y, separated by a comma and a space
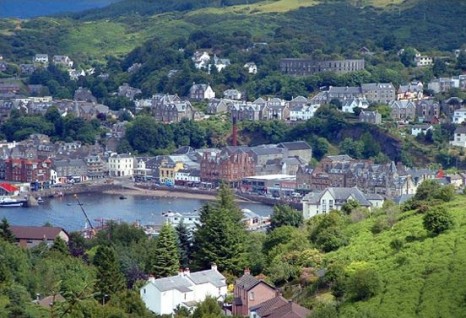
322, 25
423, 279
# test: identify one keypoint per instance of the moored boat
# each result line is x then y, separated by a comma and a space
12, 202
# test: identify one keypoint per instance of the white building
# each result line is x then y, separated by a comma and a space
121, 165
251, 67
459, 116
186, 289
459, 137
349, 105
187, 177
315, 203
304, 112
41, 58
417, 129
423, 60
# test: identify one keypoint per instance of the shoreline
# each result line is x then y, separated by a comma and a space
163, 193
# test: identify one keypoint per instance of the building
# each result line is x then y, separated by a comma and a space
274, 185
70, 170
304, 67
30, 236
459, 137
170, 108
96, 167
343, 93
423, 60
349, 105
201, 91
279, 307
168, 170
251, 67
402, 110
459, 116
62, 60
299, 149
427, 111
379, 92
315, 203
421, 129
370, 117
250, 292
121, 165
233, 94
186, 289
27, 170
41, 59
412, 91
229, 165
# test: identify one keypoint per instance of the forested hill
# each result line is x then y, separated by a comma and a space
150, 7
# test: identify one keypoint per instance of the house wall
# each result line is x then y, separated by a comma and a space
152, 297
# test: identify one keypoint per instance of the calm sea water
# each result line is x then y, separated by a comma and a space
34, 8
65, 212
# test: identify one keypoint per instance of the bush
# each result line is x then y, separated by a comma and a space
438, 220
397, 244
379, 226
364, 284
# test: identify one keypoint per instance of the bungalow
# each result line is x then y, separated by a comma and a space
334, 198
30, 236
186, 289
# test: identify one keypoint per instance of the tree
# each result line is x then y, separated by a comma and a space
407, 57
5, 231
59, 245
285, 215
438, 220
110, 280
166, 255
461, 61
349, 206
209, 308
184, 243
364, 284
439, 68
219, 239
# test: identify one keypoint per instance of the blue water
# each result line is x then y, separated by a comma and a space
65, 212
35, 8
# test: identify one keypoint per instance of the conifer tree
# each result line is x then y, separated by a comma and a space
110, 280
221, 236
166, 257
5, 231
60, 246
184, 243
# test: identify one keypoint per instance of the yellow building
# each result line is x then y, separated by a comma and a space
167, 171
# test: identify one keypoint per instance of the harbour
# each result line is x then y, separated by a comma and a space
66, 211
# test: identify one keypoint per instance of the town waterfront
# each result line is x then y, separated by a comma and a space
66, 212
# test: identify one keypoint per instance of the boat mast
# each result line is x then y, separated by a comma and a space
84, 212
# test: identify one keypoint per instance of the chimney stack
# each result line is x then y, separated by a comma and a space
186, 271
151, 278
180, 271
234, 136
213, 267
247, 271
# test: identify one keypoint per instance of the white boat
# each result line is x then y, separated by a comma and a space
12, 202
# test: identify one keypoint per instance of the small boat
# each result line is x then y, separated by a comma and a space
40, 200
122, 197
12, 202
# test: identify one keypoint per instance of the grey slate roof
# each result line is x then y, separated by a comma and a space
247, 281
294, 145
184, 283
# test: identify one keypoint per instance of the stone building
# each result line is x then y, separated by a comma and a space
304, 67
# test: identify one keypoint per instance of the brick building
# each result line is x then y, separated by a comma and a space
27, 170
229, 165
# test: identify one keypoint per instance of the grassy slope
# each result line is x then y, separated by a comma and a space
424, 279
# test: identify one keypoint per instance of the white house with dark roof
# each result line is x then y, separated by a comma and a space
186, 289
459, 137
315, 203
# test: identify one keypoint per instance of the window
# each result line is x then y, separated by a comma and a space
251, 295
144, 290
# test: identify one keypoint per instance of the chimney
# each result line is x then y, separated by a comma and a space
213, 267
247, 271
234, 136
186, 271
180, 271
151, 278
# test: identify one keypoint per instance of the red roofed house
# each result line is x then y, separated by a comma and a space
279, 307
250, 291
30, 236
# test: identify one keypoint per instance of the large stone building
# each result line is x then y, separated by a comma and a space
229, 165
305, 67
